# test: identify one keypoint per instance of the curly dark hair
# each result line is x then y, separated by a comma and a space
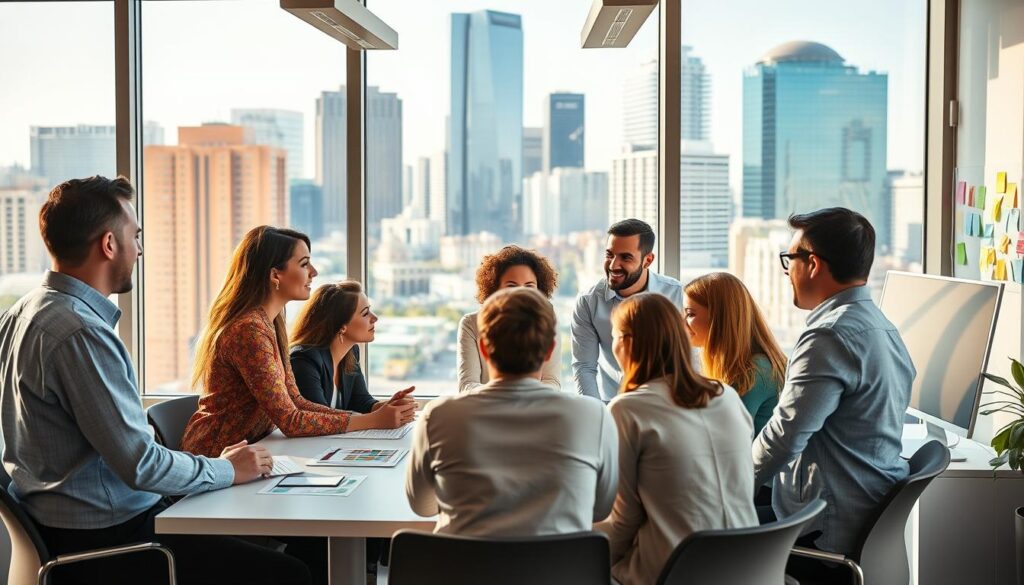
494, 265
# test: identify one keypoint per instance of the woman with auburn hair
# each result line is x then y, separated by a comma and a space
325, 354
510, 266
242, 357
738, 348
684, 457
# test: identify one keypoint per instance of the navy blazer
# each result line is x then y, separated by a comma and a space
314, 375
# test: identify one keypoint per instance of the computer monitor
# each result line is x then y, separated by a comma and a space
947, 325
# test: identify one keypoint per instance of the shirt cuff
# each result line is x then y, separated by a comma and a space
223, 472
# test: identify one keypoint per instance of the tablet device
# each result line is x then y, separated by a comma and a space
311, 481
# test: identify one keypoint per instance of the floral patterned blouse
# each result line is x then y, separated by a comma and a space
250, 391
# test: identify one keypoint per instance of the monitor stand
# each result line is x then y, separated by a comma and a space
932, 433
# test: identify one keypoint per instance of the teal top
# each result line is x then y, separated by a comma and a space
763, 395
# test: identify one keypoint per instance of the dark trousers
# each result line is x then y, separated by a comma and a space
808, 571
220, 560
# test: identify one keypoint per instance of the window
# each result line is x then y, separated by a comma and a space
489, 126
247, 129
56, 121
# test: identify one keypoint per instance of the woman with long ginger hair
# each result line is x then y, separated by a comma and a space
242, 359
684, 453
738, 348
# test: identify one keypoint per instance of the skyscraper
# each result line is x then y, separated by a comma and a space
640, 102
60, 153
202, 196
306, 207
21, 245
383, 156
277, 128
814, 135
533, 150
563, 131
485, 125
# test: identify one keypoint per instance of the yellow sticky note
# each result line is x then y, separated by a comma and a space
997, 208
1004, 244
1011, 194
988, 257
1000, 182
1000, 272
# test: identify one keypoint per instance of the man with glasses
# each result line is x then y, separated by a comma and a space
836, 433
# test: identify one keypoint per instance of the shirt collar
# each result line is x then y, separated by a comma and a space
69, 285
653, 284
517, 385
854, 294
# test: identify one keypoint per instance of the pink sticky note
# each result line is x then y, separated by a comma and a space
961, 189
1020, 243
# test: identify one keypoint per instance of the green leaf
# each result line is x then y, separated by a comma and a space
1014, 460
1018, 372
1000, 460
999, 441
1001, 409
1019, 397
1007, 402
1015, 436
998, 380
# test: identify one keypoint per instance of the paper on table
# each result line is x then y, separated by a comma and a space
345, 488
1000, 182
961, 189
1000, 271
345, 457
1004, 243
961, 254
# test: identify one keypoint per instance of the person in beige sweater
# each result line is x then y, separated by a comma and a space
684, 444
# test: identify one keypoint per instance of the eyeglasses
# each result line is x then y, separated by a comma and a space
785, 257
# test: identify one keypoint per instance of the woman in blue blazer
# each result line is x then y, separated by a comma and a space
325, 354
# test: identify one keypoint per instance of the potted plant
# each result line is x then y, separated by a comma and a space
1009, 441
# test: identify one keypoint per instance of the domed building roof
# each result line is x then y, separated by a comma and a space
801, 51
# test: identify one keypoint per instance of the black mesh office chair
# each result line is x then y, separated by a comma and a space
880, 558
739, 556
421, 558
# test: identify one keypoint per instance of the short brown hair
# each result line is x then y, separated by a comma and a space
517, 326
80, 210
491, 268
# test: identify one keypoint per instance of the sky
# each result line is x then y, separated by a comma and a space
203, 58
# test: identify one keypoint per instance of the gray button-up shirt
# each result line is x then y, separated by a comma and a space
594, 367
76, 442
836, 433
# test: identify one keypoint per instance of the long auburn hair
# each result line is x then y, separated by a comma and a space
246, 286
737, 331
330, 308
660, 348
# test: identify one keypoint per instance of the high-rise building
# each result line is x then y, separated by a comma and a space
907, 238
705, 205
814, 135
202, 196
485, 125
383, 156
563, 201
21, 245
306, 207
563, 130
437, 208
533, 150
277, 128
407, 180
421, 182
60, 153
640, 102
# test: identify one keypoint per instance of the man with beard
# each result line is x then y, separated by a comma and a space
627, 260
79, 451
836, 433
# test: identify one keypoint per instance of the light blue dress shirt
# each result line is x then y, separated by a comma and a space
836, 433
77, 445
594, 368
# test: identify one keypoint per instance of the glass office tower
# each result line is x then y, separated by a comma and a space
485, 124
563, 131
814, 135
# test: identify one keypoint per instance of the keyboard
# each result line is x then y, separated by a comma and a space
283, 465
377, 433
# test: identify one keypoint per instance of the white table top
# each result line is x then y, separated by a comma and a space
377, 508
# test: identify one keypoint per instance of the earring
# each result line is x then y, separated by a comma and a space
277, 285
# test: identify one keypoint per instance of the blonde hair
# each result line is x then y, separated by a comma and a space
246, 286
517, 326
659, 348
736, 332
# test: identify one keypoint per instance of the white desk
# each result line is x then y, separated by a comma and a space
377, 508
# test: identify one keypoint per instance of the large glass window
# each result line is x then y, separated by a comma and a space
56, 121
489, 126
248, 128
799, 113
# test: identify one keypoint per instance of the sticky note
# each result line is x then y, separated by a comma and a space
961, 190
1000, 272
1020, 243
987, 258
1000, 182
979, 197
990, 230
997, 208
1012, 221
1011, 195
977, 224
988, 242
961, 254
1004, 244
1017, 267
970, 197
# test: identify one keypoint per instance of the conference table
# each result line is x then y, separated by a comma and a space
377, 508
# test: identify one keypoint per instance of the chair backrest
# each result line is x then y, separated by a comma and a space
170, 417
883, 552
422, 558
738, 556
28, 552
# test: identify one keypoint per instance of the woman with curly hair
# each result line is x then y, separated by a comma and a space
508, 267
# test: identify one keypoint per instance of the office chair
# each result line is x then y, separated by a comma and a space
422, 558
170, 417
738, 556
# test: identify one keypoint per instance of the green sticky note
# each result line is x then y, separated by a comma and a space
961, 254
979, 197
